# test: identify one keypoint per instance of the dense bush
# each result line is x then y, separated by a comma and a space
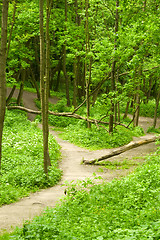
22, 161
122, 209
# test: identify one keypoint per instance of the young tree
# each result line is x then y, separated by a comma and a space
44, 82
3, 69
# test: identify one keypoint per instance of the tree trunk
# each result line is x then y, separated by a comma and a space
137, 99
35, 84
136, 119
64, 60
75, 84
47, 79
87, 78
3, 69
10, 95
119, 113
12, 25
126, 111
20, 95
111, 118
156, 108
42, 88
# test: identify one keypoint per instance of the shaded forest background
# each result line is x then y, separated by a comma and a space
106, 51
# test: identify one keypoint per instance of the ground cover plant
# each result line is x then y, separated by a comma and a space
22, 162
122, 209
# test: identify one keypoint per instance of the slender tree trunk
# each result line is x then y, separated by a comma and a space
87, 78
43, 90
12, 25
126, 111
156, 108
35, 84
136, 119
111, 118
119, 114
137, 100
75, 84
47, 78
64, 61
3, 69
144, 5
10, 95
20, 95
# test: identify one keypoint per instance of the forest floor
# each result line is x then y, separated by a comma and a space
17, 213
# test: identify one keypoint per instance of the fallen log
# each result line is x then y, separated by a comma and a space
122, 149
65, 114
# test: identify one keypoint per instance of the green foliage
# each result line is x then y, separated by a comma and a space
22, 162
76, 131
146, 109
58, 121
153, 130
122, 209
95, 138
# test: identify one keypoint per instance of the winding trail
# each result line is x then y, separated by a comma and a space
15, 214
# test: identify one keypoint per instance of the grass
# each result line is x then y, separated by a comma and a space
22, 159
122, 209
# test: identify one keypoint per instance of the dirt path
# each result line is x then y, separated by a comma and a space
15, 214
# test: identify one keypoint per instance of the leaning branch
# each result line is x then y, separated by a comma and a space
122, 149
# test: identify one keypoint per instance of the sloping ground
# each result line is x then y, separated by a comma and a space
15, 214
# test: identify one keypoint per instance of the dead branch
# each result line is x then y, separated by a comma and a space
64, 114
122, 149
24, 109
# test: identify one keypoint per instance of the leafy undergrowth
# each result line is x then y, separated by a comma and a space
146, 109
122, 209
95, 138
76, 131
22, 161
153, 130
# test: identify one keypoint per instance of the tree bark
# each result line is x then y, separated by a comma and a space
35, 84
47, 78
111, 118
64, 60
156, 108
75, 84
42, 88
126, 111
3, 69
87, 78
12, 25
122, 149
10, 95
20, 95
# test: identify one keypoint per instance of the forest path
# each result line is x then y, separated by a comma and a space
15, 214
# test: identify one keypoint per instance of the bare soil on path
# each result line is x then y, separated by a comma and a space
15, 214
